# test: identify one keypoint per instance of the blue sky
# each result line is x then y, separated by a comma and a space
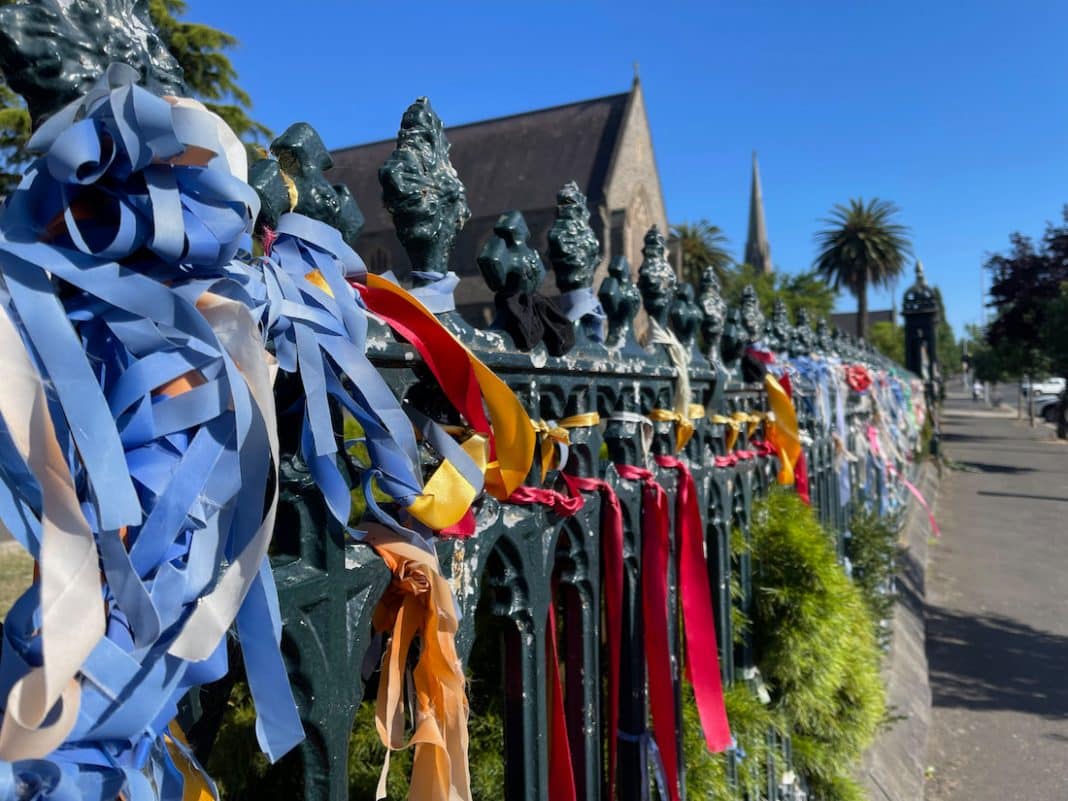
955, 111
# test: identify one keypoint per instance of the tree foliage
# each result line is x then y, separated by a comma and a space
889, 339
1027, 294
862, 246
800, 290
703, 245
209, 76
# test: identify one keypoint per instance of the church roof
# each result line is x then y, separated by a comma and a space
539, 151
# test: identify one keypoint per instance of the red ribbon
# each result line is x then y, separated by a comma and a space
561, 771
699, 621
612, 568
562, 505
858, 377
801, 478
732, 458
656, 548
447, 360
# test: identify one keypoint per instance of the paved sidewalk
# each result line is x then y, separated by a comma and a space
997, 624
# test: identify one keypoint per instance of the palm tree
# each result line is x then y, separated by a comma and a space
863, 247
703, 245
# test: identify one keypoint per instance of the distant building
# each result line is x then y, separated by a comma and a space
847, 321
520, 162
757, 247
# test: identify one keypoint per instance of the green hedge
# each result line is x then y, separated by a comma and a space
815, 644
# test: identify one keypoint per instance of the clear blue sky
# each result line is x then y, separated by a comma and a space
958, 112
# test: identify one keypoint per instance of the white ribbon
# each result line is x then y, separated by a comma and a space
239, 335
72, 604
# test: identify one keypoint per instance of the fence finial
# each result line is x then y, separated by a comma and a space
52, 52
620, 299
656, 278
421, 190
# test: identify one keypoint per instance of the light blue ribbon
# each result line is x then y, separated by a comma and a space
141, 239
581, 305
437, 292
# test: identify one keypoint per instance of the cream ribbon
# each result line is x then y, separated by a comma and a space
240, 336
72, 605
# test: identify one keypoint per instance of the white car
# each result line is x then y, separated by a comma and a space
1049, 386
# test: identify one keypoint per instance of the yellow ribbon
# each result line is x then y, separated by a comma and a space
291, 188
584, 420
419, 603
733, 427
683, 425
195, 786
782, 430
447, 495
752, 420
551, 436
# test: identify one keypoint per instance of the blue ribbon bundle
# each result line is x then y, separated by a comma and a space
131, 212
319, 329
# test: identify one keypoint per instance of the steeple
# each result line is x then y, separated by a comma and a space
757, 249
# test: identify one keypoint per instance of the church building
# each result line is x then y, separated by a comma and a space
520, 162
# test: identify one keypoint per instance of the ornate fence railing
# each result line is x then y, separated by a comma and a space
614, 403
540, 582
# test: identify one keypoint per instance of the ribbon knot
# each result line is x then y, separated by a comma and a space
555, 444
419, 603
530, 318
122, 170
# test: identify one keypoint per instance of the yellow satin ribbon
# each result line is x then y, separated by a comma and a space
447, 495
195, 786
419, 603
584, 420
751, 420
551, 436
513, 431
733, 424
684, 427
782, 429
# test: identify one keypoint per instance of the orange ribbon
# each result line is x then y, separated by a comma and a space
782, 430
419, 603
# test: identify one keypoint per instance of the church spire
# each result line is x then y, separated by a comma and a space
757, 249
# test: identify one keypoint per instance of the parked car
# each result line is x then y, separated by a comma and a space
1047, 407
1047, 386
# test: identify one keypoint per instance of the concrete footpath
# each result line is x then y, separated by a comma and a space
997, 612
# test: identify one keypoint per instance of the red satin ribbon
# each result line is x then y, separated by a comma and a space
561, 771
446, 360
858, 377
656, 550
732, 458
763, 447
563, 505
699, 621
612, 570
801, 478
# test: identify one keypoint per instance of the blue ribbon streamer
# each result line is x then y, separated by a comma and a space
114, 211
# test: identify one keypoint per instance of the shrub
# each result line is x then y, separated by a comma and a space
815, 644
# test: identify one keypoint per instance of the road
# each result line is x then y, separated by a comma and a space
997, 626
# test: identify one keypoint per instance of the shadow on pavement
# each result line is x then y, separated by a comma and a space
985, 661
988, 467
1022, 495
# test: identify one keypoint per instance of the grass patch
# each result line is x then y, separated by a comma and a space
16, 574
